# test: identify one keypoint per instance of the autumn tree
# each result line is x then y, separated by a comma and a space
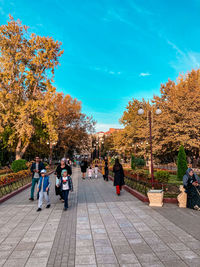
108, 146
134, 137
27, 65
179, 122
73, 126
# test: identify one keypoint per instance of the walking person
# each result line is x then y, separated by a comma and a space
84, 166
90, 172
43, 190
96, 170
66, 186
36, 168
62, 166
106, 170
103, 168
118, 176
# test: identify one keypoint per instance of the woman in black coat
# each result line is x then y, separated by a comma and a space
62, 166
84, 166
191, 182
118, 176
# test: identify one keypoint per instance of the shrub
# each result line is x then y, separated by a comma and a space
14, 176
132, 162
162, 176
136, 162
18, 165
139, 162
181, 163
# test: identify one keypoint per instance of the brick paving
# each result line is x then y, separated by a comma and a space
99, 229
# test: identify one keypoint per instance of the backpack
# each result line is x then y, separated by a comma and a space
82, 164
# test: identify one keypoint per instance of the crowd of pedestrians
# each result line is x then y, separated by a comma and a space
64, 184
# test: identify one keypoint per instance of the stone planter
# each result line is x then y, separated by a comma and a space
155, 198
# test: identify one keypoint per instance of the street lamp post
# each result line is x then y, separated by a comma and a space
158, 112
100, 149
97, 150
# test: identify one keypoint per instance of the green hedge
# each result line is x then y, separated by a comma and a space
19, 165
181, 163
137, 162
162, 176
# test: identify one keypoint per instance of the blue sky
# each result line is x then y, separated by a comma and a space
114, 49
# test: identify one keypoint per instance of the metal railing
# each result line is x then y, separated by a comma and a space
170, 190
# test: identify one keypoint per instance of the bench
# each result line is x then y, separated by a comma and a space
182, 197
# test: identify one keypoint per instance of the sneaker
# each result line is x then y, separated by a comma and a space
32, 199
48, 206
39, 209
64, 209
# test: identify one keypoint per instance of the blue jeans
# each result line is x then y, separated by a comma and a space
65, 194
34, 182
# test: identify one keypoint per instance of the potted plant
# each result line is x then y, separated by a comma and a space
156, 195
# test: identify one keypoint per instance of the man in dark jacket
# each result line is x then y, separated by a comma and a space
36, 168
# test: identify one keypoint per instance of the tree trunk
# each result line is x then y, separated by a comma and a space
19, 152
18, 149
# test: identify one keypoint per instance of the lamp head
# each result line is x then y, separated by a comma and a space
140, 111
158, 111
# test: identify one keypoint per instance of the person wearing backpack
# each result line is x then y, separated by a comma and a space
43, 189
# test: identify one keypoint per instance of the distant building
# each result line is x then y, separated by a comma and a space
100, 135
111, 130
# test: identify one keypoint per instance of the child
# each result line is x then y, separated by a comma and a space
66, 186
96, 169
43, 189
90, 171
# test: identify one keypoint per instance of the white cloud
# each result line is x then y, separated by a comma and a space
119, 15
105, 69
139, 9
144, 74
185, 61
179, 51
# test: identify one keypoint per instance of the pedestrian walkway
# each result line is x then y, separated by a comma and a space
99, 229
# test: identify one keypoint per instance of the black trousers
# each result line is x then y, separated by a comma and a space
65, 194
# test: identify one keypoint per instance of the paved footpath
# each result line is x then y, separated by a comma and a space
99, 229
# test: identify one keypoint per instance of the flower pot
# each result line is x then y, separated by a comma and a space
155, 198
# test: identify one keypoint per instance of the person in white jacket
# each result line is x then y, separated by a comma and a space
96, 170
90, 172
